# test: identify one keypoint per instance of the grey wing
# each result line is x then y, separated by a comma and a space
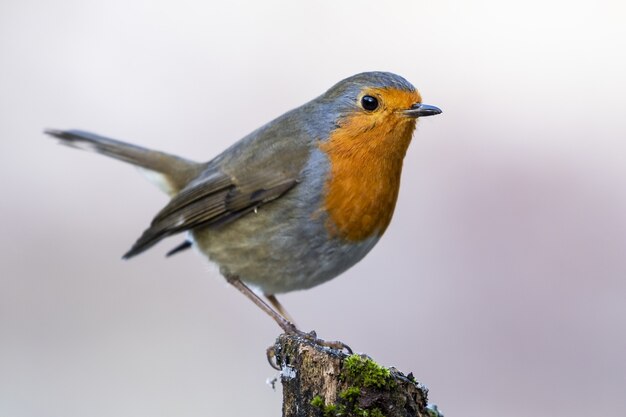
214, 200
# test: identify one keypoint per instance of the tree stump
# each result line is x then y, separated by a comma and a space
322, 382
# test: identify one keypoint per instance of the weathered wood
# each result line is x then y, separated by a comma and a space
323, 382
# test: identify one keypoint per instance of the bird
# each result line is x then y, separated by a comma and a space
296, 202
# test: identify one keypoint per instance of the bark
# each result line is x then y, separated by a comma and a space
323, 382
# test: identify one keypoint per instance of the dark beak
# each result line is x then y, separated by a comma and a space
422, 110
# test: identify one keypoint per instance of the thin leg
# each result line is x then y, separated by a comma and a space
284, 324
278, 306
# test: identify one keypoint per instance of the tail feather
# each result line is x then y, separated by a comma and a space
174, 172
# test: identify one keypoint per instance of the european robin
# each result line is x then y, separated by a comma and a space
294, 203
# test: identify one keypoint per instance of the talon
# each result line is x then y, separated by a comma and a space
311, 336
348, 349
271, 356
337, 345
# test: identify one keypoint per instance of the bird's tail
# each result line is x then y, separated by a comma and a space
169, 172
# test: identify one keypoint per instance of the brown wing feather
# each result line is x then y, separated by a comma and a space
215, 200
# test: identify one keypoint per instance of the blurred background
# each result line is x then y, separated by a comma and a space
500, 283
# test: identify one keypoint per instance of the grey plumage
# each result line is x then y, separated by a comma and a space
178, 171
255, 208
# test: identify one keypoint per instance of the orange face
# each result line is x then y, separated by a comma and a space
365, 153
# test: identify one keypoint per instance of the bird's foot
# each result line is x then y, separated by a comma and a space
311, 337
332, 344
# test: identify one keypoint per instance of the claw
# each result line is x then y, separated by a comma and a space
271, 358
332, 344
337, 345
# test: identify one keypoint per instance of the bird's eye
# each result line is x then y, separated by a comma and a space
369, 103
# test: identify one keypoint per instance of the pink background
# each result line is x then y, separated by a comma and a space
500, 283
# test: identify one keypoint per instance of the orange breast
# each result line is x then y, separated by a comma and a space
366, 163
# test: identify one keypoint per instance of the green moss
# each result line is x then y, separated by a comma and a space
359, 373
364, 372
347, 407
317, 401
375, 412
351, 394
332, 410
328, 410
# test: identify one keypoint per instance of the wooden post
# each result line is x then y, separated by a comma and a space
323, 382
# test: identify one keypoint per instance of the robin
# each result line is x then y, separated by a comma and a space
294, 203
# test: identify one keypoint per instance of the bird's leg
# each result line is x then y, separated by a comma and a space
279, 307
284, 324
311, 335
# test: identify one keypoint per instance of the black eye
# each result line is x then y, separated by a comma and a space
369, 103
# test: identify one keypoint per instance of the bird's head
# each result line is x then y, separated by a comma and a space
379, 102
373, 116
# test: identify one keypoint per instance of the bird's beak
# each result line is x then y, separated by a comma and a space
422, 110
